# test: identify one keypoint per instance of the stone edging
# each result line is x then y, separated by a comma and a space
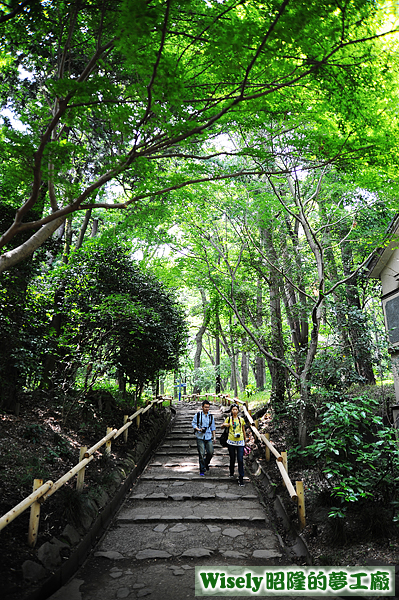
97, 529
299, 547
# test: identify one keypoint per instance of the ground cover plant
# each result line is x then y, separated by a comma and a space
350, 476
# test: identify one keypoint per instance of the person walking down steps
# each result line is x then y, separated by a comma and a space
204, 427
236, 442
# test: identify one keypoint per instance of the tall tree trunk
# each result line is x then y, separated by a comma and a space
277, 371
217, 353
244, 369
260, 359
199, 336
121, 379
83, 229
235, 379
56, 323
358, 330
217, 366
294, 299
260, 372
94, 228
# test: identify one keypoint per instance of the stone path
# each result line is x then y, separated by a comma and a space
175, 520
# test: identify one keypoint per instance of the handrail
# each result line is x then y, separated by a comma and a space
105, 439
261, 437
49, 488
24, 504
290, 488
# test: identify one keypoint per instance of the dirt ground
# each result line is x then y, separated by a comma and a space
37, 444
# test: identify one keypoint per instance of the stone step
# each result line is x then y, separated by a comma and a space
186, 438
190, 415
188, 477
190, 540
217, 511
193, 411
178, 518
189, 452
217, 461
230, 540
215, 474
193, 487
176, 497
181, 437
179, 442
188, 430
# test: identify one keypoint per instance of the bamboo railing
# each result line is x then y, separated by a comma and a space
296, 493
43, 491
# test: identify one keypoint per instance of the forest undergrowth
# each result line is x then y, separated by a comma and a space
364, 531
38, 444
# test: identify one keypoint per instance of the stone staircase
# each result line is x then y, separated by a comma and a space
175, 520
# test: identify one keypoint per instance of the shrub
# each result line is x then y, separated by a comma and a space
358, 455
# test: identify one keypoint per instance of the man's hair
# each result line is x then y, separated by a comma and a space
206, 402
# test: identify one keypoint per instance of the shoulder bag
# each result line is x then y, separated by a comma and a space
223, 437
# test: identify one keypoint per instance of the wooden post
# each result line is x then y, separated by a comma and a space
138, 421
257, 424
285, 463
126, 432
267, 451
301, 504
108, 443
81, 475
34, 516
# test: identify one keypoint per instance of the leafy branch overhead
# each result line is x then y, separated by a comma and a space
109, 97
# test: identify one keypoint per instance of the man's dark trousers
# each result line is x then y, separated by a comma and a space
205, 453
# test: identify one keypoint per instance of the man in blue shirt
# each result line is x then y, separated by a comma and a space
204, 429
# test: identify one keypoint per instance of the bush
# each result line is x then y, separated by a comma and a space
358, 454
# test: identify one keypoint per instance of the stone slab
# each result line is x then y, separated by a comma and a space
175, 520
129, 539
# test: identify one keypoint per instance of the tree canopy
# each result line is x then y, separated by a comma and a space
109, 96
244, 153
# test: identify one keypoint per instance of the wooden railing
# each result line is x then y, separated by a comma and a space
42, 491
296, 494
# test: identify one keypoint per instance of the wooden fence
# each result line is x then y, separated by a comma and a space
42, 491
296, 494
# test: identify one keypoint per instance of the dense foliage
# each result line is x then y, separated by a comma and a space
122, 91
244, 152
356, 453
116, 318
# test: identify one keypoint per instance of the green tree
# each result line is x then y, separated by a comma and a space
114, 92
116, 320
